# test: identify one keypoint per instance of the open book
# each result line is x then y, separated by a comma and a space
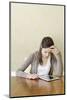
48, 78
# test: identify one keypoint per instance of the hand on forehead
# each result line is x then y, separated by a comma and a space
52, 47
48, 49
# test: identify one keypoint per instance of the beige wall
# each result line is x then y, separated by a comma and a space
29, 24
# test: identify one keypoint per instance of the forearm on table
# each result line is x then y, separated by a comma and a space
21, 74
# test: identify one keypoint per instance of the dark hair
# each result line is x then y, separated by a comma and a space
46, 43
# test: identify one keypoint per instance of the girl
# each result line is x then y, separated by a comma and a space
46, 61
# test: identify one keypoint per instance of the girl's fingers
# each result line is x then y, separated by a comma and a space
34, 76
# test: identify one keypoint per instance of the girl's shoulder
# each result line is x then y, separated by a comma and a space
36, 53
33, 54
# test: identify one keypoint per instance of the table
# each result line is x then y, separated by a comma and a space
26, 87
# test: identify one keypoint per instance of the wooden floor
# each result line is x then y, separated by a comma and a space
26, 87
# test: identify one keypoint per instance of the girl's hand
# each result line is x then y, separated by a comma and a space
32, 76
54, 50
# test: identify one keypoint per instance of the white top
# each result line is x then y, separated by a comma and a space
44, 69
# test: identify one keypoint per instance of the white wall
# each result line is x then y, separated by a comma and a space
29, 24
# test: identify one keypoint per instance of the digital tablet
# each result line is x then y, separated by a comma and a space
48, 77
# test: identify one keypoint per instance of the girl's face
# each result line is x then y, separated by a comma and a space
45, 52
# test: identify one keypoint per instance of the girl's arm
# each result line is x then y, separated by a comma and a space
58, 65
20, 72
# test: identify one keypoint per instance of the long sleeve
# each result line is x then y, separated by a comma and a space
58, 66
20, 72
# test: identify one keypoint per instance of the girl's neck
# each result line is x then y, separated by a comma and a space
45, 60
